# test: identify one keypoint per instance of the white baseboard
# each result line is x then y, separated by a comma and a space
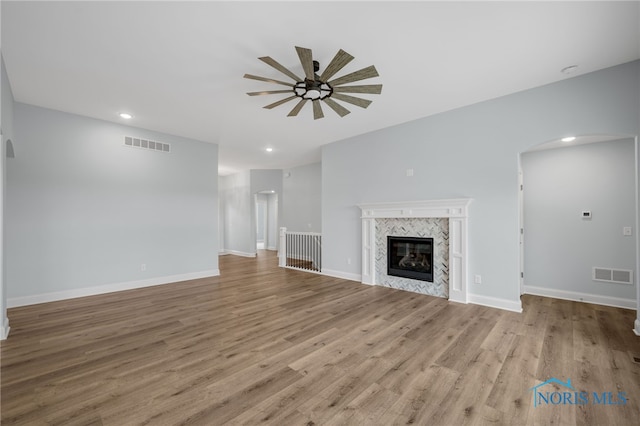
509, 305
616, 302
238, 253
272, 248
340, 274
108, 288
4, 329
494, 302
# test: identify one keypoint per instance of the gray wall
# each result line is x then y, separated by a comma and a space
83, 210
303, 198
6, 123
469, 152
266, 180
560, 247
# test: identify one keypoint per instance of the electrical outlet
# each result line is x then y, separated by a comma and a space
143, 267
626, 231
478, 279
348, 261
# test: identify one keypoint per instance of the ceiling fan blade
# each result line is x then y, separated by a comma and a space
363, 103
338, 62
367, 72
317, 110
269, 61
268, 92
268, 80
280, 102
365, 88
339, 109
297, 108
306, 60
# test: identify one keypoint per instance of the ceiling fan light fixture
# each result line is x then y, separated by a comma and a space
312, 94
314, 87
312, 90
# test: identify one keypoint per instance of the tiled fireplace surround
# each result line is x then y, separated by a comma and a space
443, 220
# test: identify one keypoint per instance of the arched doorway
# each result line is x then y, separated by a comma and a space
578, 217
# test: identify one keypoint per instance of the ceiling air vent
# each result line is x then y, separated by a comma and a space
619, 276
146, 144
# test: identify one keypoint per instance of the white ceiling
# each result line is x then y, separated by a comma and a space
178, 66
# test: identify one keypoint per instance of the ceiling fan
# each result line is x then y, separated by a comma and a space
316, 88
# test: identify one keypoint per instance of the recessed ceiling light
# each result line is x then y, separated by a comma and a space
569, 70
568, 139
269, 149
125, 115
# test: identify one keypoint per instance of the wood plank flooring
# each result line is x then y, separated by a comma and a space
266, 345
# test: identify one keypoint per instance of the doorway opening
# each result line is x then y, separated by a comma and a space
577, 200
266, 220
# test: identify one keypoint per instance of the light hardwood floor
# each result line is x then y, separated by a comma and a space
265, 345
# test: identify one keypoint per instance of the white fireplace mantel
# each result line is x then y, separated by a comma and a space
456, 210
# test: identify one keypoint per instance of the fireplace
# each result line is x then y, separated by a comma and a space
410, 257
449, 243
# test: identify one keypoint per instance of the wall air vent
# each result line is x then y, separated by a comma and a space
146, 144
619, 276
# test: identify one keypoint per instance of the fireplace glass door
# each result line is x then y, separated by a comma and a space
410, 257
